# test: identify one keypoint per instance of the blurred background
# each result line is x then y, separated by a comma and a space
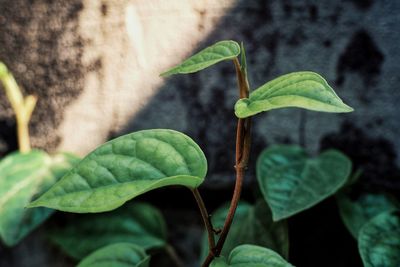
95, 67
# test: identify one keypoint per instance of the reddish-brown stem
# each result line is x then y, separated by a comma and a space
206, 218
243, 140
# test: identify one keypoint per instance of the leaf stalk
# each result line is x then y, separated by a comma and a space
23, 107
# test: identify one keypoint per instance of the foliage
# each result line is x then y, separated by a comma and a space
117, 255
289, 179
252, 225
127, 167
251, 256
137, 223
292, 182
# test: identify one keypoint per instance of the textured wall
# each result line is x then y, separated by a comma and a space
95, 68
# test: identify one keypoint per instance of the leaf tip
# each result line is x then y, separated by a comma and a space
165, 74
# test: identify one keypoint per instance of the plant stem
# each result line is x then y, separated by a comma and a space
243, 141
174, 256
23, 107
206, 219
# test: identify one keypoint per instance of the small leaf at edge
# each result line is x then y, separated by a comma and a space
223, 50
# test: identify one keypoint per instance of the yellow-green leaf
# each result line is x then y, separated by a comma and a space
298, 89
127, 167
223, 50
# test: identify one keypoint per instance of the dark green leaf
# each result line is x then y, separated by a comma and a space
126, 167
379, 241
139, 223
298, 89
219, 262
251, 225
252, 256
291, 182
223, 50
356, 212
22, 176
117, 255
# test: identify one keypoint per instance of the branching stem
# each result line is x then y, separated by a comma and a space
206, 219
243, 141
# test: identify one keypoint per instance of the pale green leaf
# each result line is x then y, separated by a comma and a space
139, 223
291, 182
126, 167
252, 256
117, 255
356, 212
298, 89
223, 50
22, 177
379, 241
252, 224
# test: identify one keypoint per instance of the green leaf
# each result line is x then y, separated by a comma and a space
252, 225
117, 255
243, 61
223, 50
379, 241
291, 182
139, 223
298, 89
126, 167
22, 177
252, 256
219, 262
357, 212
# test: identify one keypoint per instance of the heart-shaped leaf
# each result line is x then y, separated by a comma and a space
379, 240
251, 256
356, 212
291, 182
126, 167
22, 176
139, 223
117, 255
298, 89
252, 225
223, 50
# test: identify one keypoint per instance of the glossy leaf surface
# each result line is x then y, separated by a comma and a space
252, 224
251, 256
117, 255
356, 212
22, 177
298, 89
126, 167
379, 241
223, 50
291, 182
139, 223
